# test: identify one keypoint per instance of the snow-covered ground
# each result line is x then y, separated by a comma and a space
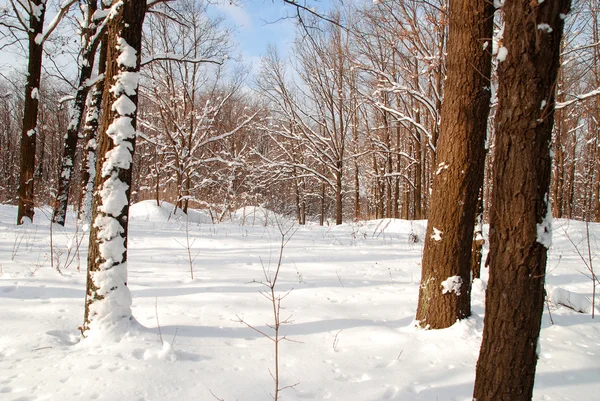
353, 299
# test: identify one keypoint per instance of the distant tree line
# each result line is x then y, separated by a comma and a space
346, 127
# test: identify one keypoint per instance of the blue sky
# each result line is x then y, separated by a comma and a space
263, 22
257, 24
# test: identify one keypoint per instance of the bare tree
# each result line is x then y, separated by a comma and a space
108, 300
92, 27
28, 19
520, 226
445, 292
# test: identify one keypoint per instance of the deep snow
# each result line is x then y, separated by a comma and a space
353, 301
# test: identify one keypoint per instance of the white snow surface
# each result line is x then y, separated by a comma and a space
353, 299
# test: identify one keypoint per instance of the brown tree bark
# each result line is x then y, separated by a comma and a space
519, 228
445, 290
90, 134
30, 113
108, 300
88, 55
596, 37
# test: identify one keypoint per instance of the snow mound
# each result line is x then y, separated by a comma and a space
165, 354
577, 302
149, 211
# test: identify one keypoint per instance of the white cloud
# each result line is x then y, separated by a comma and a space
235, 13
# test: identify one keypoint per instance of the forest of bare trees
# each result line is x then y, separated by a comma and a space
455, 111
344, 128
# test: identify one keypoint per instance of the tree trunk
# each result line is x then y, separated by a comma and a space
108, 300
88, 55
30, 114
520, 231
322, 215
596, 119
559, 154
90, 134
445, 292
478, 241
338, 194
418, 190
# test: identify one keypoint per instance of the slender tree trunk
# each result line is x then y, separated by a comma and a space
88, 55
520, 231
571, 179
322, 215
30, 113
108, 300
596, 119
478, 241
90, 134
188, 185
356, 167
559, 154
418, 190
445, 292
338, 194
157, 172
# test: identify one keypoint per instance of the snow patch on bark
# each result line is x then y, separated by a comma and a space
437, 234
127, 54
502, 53
123, 105
126, 82
544, 229
442, 166
452, 284
113, 194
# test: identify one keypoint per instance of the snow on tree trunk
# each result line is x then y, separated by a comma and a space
519, 211
90, 133
88, 53
30, 113
108, 300
459, 172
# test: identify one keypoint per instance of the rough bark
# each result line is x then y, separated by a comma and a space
30, 114
108, 299
596, 37
459, 172
88, 53
90, 134
519, 213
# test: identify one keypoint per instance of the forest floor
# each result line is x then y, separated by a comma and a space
352, 299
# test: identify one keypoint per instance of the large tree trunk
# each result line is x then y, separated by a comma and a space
30, 113
90, 134
445, 292
519, 214
88, 53
108, 300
